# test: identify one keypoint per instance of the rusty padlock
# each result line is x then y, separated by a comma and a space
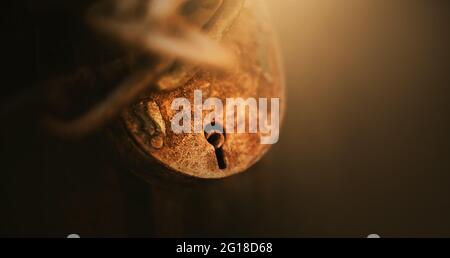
222, 49
257, 74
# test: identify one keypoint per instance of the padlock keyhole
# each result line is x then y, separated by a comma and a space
217, 139
220, 158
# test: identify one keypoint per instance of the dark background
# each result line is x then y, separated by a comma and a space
364, 147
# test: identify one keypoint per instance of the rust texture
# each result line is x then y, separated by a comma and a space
163, 50
257, 73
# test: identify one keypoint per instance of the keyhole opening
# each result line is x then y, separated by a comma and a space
217, 139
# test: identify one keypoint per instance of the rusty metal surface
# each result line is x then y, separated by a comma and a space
256, 74
157, 51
